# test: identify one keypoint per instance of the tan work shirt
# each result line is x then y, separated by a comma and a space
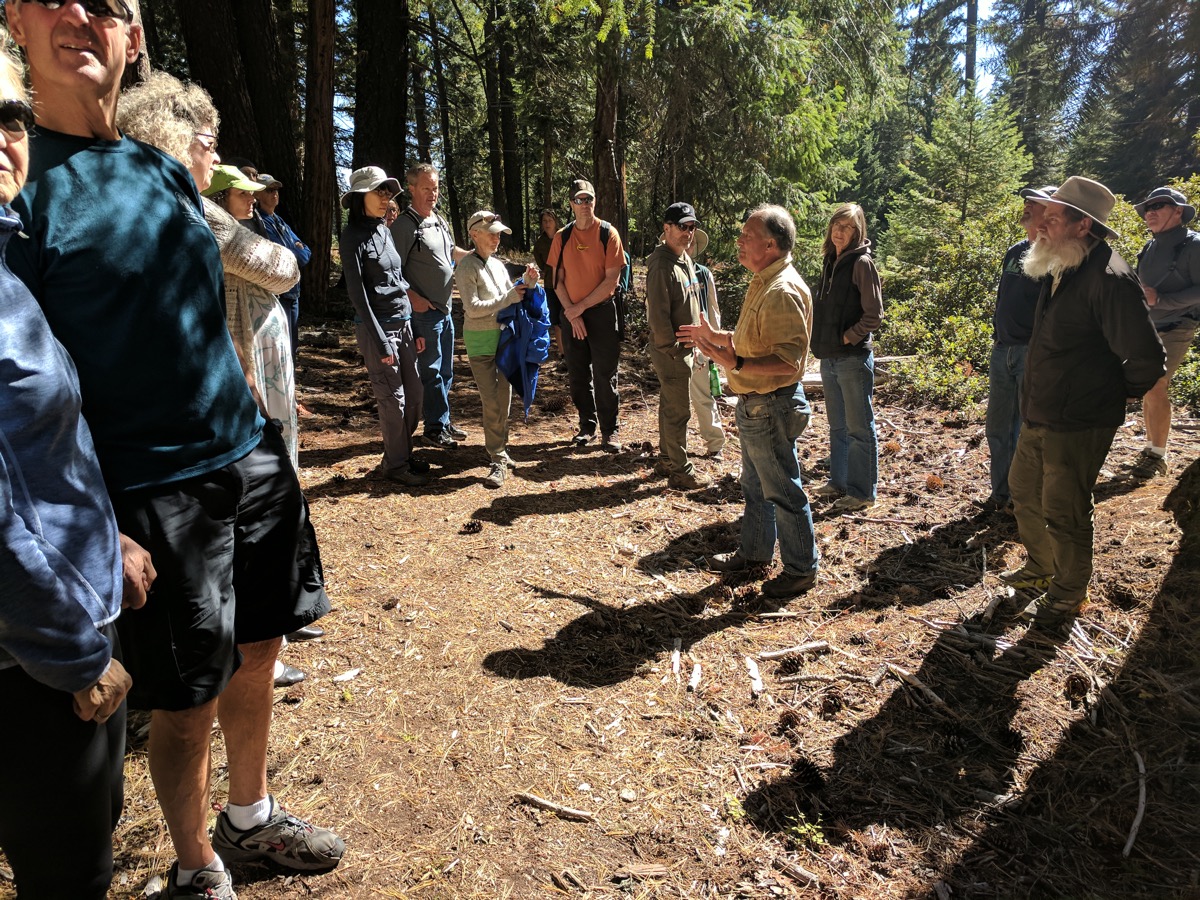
776, 320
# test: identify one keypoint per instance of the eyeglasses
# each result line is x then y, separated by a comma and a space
207, 141
583, 201
689, 226
16, 118
101, 9
383, 191
1156, 206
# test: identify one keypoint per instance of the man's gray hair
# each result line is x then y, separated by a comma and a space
424, 168
776, 224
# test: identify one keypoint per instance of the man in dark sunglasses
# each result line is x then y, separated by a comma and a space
133, 291
1169, 269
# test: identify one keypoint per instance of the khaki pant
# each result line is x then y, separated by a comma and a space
708, 418
674, 377
1051, 479
496, 395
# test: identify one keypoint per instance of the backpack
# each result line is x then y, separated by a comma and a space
624, 286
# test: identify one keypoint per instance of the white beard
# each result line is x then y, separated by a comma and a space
1056, 259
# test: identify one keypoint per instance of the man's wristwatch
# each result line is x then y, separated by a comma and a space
738, 362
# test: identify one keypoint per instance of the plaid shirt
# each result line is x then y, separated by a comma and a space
776, 320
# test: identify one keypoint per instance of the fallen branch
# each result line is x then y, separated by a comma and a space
675, 657
563, 812
756, 682
1141, 808
921, 686
797, 872
694, 681
795, 651
824, 679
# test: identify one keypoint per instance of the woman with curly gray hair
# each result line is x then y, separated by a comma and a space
180, 120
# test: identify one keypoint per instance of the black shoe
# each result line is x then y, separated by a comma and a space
307, 633
733, 562
455, 432
583, 438
610, 444
441, 439
418, 465
408, 477
784, 585
288, 676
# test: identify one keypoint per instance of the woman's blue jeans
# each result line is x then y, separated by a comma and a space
776, 505
849, 383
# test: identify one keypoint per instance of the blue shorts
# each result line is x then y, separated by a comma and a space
237, 562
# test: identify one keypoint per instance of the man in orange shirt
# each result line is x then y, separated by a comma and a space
592, 258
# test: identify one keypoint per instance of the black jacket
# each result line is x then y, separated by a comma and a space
839, 304
1093, 346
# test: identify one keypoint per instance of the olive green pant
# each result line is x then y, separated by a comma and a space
1051, 479
674, 378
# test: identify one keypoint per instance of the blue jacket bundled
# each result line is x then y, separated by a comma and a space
524, 342
60, 556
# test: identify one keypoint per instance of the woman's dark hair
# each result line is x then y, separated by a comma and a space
358, 213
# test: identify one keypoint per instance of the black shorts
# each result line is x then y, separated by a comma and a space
237, 562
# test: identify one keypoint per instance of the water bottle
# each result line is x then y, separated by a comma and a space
714, 379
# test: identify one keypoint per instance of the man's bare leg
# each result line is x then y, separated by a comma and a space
1156, 408
244, 710
180, 756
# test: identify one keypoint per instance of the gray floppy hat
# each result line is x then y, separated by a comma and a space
1168, 195
367, 179
1085, 196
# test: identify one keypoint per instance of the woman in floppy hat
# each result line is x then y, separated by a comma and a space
485, 289
382, 321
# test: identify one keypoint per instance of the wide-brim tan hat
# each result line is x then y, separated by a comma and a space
699, 243
1085, 196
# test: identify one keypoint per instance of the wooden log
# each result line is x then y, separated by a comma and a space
563, 812
795, 651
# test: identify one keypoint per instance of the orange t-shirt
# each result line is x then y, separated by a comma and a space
586, 259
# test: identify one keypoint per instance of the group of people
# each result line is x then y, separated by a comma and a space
156, 545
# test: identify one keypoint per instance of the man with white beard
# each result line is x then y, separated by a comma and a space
1093, 346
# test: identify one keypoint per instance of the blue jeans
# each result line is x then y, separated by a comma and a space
776, 505
435, 366
849, 383
1003, 423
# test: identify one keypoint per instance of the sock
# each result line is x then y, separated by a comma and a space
1157, 451
183, 877
243, 818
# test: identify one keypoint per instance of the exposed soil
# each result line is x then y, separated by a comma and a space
520, 640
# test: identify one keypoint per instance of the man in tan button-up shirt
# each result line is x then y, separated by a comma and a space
764, 357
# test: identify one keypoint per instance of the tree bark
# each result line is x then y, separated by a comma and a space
420, 96
320, 188
448, 153
609, 189
381, 85
969, 51
514, 212
215, 66
492, 93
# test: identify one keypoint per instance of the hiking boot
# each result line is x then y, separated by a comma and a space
1148, 465
407, 476
685, 481
733, 562
786, 584
610, 444
1049, 612
441, 439
582, 438
828, 489
455, 432
283, 839
1023, 580
418, 465
662, 467
495, 475
206, 885
851, 504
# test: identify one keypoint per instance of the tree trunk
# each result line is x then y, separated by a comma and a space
271, 92
491, 79
421, 108
443, 102
972, 44
547, 167
217, 67
320, 188
514, 212
381, 85
604, 131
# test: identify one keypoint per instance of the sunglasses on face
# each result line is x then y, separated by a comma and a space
16, 118
383, 192
101, 9
1156, 206
689, 226
583, 201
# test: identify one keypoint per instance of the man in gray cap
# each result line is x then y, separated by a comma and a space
672, 301
1012, 323
1169, 269
1091, 347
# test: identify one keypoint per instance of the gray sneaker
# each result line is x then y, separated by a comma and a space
495, 475
206, 885
283, 839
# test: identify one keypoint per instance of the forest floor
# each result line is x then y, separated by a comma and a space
488, 644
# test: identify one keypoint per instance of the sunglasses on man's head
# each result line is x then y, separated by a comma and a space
16, 117
1157, 205
104, 9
